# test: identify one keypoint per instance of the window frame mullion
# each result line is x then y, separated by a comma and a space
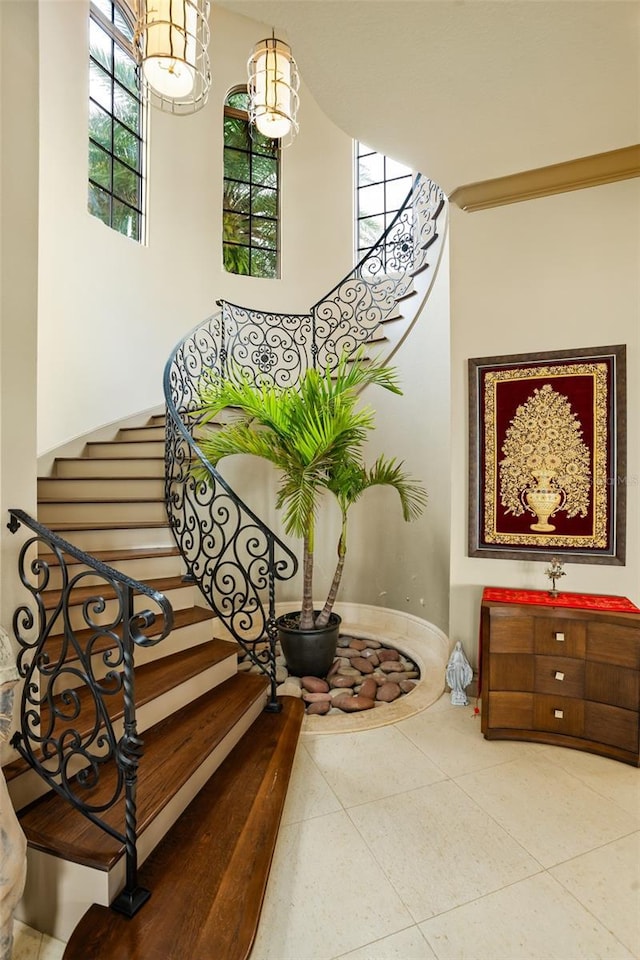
132, 222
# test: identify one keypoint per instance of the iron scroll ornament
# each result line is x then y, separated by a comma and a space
76, 656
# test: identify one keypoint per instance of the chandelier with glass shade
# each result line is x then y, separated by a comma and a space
172, 37
273, 90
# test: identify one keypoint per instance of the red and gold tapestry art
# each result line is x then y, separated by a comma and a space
546, 455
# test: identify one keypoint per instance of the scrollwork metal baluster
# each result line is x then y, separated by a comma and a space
70, 672
129, 754
230, 553
355, 309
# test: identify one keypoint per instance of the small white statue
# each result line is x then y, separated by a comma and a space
13, 845
459, 675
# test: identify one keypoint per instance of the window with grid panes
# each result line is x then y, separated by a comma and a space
250, 225
116, 144
382, 185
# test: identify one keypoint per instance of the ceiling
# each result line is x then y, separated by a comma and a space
466, 90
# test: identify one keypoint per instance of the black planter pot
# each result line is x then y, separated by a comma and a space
308, 653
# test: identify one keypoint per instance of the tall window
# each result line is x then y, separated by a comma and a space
382, 185
115, 121
250, 232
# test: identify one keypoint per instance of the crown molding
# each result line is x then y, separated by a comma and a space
622, 164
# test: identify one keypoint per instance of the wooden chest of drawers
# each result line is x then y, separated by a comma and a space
562, 676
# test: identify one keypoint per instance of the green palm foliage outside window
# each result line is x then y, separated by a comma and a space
250, 239
115, 121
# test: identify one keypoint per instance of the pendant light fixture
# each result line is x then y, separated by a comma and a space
172, 37
273, 90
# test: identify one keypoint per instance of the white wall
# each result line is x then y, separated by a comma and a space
405, 566
560, 272
111, 310
18, 284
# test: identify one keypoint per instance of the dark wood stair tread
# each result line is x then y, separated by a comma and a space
114, 555
181, 618
121, 439
70, 525
103, 478
143, 426
426, 265
128, 478
79, 595
84, 460
411, 292
173, 749
208, 876
52, 501
151, 681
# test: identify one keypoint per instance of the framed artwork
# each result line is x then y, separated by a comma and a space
547, 456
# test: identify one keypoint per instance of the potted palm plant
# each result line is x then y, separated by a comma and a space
314, 434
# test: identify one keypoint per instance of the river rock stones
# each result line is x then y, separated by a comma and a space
314, 685
289, 689
362, 664
316, 697
388, 692
341, 682
319, 708
365, 674
353, 704
358, 644
369, 688
388, 654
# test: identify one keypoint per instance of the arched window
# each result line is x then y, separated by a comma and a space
250, 230
116, 145
382, 185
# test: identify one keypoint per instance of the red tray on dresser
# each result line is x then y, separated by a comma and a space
578, 601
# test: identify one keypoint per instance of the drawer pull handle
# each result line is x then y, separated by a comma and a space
559, 675
558, 714
559, 637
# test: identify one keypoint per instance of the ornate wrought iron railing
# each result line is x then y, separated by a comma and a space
357, 307
76, 654
266, 347
278, 347
230, 553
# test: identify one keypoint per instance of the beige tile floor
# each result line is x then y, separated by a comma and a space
422, 840
29, 944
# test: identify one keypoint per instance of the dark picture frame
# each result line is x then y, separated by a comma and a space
547, 455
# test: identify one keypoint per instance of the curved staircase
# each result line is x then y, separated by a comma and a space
193, 711
189, 810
